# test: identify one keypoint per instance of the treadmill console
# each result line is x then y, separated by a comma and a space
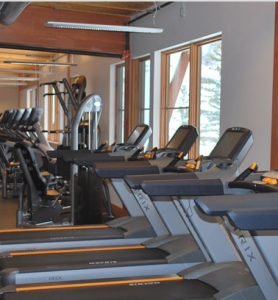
231, 149
181, 141
233, 145
138, 136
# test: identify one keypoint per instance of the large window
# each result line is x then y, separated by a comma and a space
191, 81
120, 102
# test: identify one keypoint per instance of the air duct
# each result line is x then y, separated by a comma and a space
10, 11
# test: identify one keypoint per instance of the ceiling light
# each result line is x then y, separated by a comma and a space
39, 63
24, 71
103, 27
20, 78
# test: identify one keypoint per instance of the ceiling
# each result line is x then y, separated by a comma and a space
113, 8
21, 74
125, 11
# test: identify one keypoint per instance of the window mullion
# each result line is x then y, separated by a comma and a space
194, 96
164, 92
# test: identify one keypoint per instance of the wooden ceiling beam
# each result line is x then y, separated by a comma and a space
22, 67
23, 56
108, 8
26, 52
30, 30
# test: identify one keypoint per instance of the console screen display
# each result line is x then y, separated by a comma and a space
178, 138
228, 144
132, 139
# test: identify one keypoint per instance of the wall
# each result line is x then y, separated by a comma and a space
9, 97
97, 72
247, 66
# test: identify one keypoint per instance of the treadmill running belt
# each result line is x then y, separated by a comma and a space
176, 290
57, 235
88, 259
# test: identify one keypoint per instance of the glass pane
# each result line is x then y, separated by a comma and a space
178, 90
120, 87
122, 105
146, 116
144, 89
147, 81
210, 96
120, 96
177, 118
120, 127
53, 108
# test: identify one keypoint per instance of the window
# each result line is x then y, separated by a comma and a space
191, 86
176, 105
120, 102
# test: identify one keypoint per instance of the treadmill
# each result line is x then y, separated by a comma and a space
177, 252
115, 232
223, 162
227, 281
111, 175
252, 223
137, 137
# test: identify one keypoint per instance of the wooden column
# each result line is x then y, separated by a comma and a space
274, 131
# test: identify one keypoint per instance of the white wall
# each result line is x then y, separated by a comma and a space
97, 72
248, 40
8, 98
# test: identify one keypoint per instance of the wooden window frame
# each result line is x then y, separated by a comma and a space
141, 89
194, 87
122, 65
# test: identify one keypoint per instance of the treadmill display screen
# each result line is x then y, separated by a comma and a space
228, 144
136, 133
177, 139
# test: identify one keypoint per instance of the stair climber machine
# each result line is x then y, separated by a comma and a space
70, 98
210, 272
